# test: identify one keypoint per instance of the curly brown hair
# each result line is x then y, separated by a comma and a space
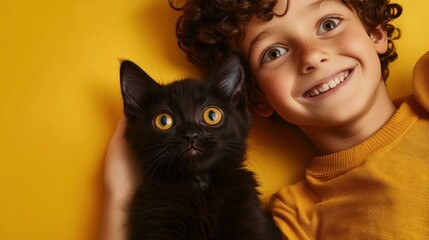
208, 30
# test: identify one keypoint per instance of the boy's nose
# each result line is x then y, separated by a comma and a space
311, 55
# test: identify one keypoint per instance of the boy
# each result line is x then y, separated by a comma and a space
321, 65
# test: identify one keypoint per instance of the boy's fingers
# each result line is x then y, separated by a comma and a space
117, 145
421, 81
120, 128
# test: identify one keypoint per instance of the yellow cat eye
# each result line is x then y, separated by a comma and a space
163, 121
212, 115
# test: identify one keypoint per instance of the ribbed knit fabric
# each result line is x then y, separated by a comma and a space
378, 189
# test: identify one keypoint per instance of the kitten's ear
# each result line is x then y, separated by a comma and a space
135, 84
230, 76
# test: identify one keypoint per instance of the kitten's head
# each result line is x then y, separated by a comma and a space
188, 126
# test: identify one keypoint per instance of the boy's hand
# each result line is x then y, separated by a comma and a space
120, 174
421, 81
120, 178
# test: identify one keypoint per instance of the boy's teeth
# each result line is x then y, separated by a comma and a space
326, 86
316, 92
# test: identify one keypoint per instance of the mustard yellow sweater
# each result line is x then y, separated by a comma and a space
378, 189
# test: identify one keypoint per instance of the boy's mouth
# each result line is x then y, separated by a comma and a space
324, 87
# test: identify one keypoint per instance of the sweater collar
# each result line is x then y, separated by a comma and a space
401, 122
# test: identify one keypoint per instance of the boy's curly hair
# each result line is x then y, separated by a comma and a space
208, 30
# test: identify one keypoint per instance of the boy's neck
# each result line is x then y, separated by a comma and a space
331, 139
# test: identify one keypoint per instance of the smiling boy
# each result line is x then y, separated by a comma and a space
319, 69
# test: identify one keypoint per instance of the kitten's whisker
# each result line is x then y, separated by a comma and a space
151, 159
158, 160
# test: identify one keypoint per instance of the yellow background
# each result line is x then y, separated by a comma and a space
60, 102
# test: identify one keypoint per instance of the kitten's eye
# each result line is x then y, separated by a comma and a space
212, 115
328, 24
273, 53
163, 121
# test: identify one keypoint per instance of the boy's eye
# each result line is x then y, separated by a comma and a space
328, 24
273, 53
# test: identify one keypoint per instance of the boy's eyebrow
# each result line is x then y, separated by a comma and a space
316, 5
259, 38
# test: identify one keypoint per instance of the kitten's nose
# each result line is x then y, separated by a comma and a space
191, 136
190, 132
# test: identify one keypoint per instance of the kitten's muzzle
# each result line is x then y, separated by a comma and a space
190, 133
193, 151
192, 137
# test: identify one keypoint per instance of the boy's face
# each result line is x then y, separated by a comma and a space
316, 65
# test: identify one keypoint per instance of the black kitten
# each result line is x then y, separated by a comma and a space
189, 138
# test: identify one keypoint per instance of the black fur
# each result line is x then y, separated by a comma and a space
194, 185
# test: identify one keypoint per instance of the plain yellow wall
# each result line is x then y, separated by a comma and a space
60, 101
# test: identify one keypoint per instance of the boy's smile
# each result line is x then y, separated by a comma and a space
328, 84
318, 67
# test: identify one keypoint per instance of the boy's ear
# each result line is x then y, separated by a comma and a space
379, 38
263, 108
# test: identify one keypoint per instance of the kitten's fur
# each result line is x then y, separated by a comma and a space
193, 184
